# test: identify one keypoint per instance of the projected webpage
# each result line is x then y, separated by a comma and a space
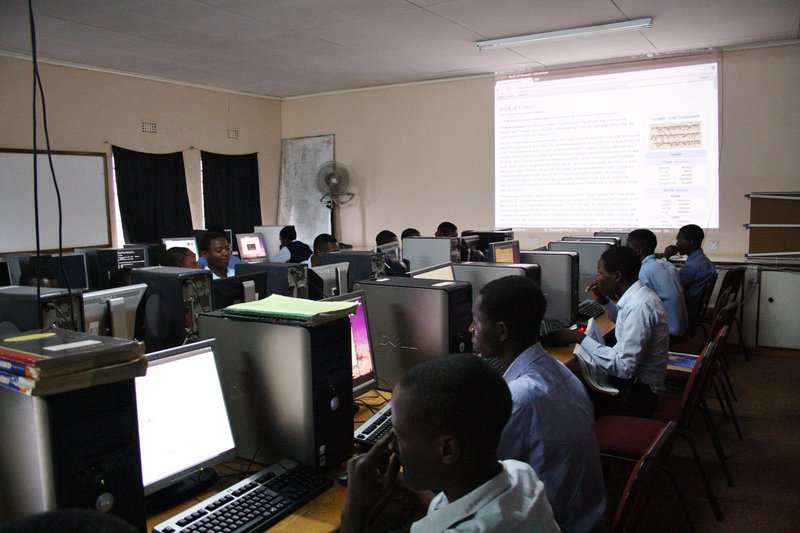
624, 149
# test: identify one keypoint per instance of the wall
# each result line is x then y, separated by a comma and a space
421, 154
89, 111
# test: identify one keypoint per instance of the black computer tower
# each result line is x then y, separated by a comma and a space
285, 279
20, 310
288, 387
77, 449
102, 262
363, 265
174, 299
415, 320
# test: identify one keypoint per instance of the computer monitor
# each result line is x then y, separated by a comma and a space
183, 242
503, 252
421, 252
252, 248
112, 312
442, 272
5, 274
613, 241
621, 235
132, 257
272, 238
286, 279
390, 250
363, 264
488, 236
364, 377
183, 421
333, 280
238, 289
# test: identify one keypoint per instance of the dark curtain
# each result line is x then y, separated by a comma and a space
230, 191
153, 201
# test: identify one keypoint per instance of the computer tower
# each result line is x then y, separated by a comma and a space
175, 298
559, 275
363, 265
288, 387
415, 320
285, 279
102, 262
153, 251
479, 274
20, 310
589, 253
77, 449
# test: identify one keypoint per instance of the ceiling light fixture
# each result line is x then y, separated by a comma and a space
626, 25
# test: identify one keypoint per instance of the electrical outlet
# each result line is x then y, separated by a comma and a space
713, 245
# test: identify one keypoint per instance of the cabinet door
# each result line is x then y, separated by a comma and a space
779, 307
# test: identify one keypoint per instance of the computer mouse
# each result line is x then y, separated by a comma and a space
343, 479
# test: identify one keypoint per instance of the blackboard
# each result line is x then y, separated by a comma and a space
300, 195
82, 182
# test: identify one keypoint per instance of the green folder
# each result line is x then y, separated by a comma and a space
284, 307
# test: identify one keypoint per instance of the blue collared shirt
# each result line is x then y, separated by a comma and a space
662, 276
696, 271
552, 429
642, 334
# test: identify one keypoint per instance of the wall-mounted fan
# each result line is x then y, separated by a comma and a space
333, 180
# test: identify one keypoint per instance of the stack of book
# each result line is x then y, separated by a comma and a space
51, 361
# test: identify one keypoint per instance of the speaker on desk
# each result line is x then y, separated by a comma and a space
73, 450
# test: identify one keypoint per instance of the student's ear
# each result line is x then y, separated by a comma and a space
502, 331
449, 448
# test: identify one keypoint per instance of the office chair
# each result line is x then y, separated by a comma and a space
733, 279
628, 438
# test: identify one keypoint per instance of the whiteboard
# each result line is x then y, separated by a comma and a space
299, 195
82, 183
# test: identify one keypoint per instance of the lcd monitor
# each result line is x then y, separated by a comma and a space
364, 376
112, 312
183, 242
613, 241
238, 289
393, 259
183, 421
252, 248
331, 281
621, 235
421, 252
503, 252
442, 272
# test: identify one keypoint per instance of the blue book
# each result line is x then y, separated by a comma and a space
682, 361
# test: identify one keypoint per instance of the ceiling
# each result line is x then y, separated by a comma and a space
284, 48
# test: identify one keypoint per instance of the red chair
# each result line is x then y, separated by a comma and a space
696, 313
733, 279
642, 480
628, 438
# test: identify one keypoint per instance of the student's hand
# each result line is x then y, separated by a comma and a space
563, 337
670, 250
599, 298
369, 478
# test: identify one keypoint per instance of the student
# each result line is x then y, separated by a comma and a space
410, 232
447, 415
216, 250
448, 229
178, 256
232, 262
697, 269
28, 277
292, 250
323, 244
385, 237
661, 276
552, 421
637, 363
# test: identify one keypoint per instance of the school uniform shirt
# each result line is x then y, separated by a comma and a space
513, 501
694, 274
231, 272
642, 333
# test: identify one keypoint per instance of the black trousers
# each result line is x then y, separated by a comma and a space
634, 399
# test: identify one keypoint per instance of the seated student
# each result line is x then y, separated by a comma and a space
46, 278
292, 250
410, 232
661, 276
637, 363
552, 421
385, 237
448, 229
178, 256
323, 244
216, 250
448, 414
234, 259
697, 269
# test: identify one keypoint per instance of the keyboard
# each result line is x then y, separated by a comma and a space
549, 326
252, 504
590, 308
376, 426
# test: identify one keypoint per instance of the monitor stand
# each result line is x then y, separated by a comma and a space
182, 490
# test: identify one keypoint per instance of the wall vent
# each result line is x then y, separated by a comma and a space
149, 127
233, 134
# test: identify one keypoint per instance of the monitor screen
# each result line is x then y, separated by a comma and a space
183, 422
131, 258
112, 312
251, 246
183, 242
391, 251
238, 289
504, 252
442, 271
364, 378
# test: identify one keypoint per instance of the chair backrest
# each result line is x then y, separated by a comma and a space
722, 317
696, 314
642, 480
696, 384
734, 278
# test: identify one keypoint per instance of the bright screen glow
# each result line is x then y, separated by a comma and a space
578, 150
183, 242
251, 246
359, 337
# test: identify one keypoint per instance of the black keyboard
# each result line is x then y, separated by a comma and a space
375, 427
590, 308
549, 326
253, 504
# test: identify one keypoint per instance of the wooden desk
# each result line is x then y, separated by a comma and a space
564, 353
320, 515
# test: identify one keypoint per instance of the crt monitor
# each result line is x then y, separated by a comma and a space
237, 289
442, 272
112, 312
364, 377
503, 252
330, 280
183, 242
252, 247
183, 421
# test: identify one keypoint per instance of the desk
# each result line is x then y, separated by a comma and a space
564, 353
320, 515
